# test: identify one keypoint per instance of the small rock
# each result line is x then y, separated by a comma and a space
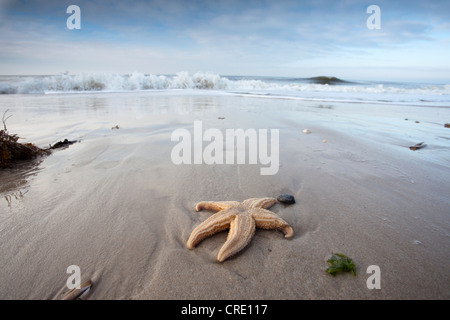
447, 125
416, 121
286, 198
306, 131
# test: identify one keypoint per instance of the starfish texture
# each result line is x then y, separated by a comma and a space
241, 218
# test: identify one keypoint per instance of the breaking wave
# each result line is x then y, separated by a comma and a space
111, 83
321, 87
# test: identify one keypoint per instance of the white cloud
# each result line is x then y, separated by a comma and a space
269, 37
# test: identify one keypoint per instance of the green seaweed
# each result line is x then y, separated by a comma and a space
340, 263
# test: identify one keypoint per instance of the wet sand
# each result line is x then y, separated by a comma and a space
115, 204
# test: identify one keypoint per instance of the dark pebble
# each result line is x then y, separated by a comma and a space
286, 198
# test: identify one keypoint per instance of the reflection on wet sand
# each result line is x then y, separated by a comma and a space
15, 179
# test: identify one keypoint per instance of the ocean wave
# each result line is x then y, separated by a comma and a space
328, 87
111, 82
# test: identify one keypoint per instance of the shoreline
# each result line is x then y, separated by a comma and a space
117, 206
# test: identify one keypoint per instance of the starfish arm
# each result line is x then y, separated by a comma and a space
268, 220
242, 229
215, 205
215, 223
265, 203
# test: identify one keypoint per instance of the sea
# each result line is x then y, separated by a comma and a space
318, 88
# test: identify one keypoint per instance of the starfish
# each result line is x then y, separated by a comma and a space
241, 218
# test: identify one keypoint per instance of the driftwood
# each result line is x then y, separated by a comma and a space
12, 151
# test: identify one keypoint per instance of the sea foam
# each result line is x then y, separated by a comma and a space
325, 88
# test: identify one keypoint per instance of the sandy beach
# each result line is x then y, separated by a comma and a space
116, 205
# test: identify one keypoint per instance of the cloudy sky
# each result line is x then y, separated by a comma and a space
273, 37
